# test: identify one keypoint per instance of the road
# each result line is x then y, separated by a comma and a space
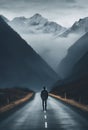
58, 117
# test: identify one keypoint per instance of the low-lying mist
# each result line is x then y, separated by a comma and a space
51, 48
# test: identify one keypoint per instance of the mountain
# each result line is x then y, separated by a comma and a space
75, 53
80, 69
79, 27
76, 85
20, 65
35, 24
4, 18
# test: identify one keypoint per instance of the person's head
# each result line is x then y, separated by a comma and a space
44, 88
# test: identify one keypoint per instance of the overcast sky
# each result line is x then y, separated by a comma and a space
65, 12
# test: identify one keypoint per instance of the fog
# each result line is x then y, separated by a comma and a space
51, 48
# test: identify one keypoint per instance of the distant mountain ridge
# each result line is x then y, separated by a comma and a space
79, 27
20, 65
35, 24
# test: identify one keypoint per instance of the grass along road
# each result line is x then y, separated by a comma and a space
16, 103
71, 102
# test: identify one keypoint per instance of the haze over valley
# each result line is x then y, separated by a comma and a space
49, 39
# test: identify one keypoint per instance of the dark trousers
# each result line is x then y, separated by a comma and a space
44, 104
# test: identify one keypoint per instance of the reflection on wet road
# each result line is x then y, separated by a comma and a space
31, 117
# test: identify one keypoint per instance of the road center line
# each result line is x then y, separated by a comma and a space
44, 111
45, 116
46, 125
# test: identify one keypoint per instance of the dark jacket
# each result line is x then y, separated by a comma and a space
44, 94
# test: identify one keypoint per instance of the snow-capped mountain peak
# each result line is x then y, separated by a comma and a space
35, 24
36, 16
79, 27
37, 19
19, 18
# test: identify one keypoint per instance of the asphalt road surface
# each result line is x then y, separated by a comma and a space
59, 116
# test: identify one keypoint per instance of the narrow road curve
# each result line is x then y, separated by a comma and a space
58, 117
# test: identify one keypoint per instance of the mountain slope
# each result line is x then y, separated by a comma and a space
79, 27
80, 69
76, 85
75, 52
20, 65
4, 18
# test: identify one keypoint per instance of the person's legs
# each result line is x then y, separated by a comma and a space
43, 104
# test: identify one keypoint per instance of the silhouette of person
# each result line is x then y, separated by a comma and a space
44, 96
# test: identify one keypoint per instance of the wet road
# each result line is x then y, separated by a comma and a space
58, 117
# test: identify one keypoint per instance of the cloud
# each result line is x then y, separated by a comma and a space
71, 1
56, 10
18, 4
50, 48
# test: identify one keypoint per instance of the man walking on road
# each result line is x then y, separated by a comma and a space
44, 96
